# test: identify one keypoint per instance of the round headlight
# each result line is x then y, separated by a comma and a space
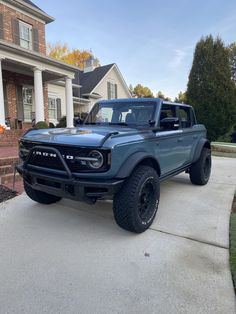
96, 159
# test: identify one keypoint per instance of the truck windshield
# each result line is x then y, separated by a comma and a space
123, 113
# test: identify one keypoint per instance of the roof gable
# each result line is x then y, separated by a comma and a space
91, 79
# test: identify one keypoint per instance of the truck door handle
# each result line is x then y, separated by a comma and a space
180, 139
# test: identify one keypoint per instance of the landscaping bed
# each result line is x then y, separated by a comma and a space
6, 193
223, 149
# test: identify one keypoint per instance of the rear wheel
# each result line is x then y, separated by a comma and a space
40, 197
135, 205
200, 171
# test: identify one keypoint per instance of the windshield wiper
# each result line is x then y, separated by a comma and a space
92, 123
118, 123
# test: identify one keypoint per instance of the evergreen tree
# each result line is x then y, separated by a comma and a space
181, 98
232, 60
210, 88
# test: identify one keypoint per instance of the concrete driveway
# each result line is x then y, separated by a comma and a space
73, 258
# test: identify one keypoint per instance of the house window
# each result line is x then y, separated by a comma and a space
25, 35
27, 93
111, 90
52, 108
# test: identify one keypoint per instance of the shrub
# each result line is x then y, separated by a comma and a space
51, 125
41, 125
62, 122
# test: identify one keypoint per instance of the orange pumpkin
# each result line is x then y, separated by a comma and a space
2, 129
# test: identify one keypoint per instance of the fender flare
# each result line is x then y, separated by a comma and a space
202, 143
132, 161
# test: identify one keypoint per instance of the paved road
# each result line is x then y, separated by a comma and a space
72, 258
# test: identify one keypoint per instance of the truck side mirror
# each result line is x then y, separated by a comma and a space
171, 123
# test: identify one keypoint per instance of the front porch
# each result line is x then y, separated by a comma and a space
24, 76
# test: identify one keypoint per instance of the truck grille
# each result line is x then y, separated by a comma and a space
50, 159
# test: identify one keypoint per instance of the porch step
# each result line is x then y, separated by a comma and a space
6, 169
10, 161
9, 178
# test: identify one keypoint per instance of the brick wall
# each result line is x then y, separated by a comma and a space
10, 137
11, 97
9, 13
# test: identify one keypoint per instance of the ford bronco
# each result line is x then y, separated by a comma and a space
123, 150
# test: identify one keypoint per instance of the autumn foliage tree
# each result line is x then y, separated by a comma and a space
142, 91
162, 96
71, 56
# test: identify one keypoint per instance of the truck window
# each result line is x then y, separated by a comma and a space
185, 117
168, 111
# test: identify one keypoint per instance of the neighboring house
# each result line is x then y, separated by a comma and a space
89, 86
25, 70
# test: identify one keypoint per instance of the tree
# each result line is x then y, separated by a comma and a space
75, 56
210, 88
142, 91
131, 89
182, 99
162, 96
232, 60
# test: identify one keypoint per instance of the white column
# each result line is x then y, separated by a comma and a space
38, 93
2, 108
69, 103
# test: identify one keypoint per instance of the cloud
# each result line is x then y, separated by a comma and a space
179, 56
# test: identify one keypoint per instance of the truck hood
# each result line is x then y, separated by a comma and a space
83, 136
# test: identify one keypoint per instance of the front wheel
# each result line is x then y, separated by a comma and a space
39, 196
200, 171
135, 205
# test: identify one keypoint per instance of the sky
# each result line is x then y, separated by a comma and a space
151, 41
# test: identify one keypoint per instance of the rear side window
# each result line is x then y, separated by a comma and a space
186, 117
168, 111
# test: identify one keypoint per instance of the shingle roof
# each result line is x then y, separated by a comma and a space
33, 5
89, 80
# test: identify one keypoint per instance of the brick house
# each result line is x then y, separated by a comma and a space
25, 70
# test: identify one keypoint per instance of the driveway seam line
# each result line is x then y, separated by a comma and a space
191, 239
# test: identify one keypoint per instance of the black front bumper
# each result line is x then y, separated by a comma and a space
72, 188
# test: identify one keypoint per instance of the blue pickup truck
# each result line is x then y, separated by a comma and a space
123, 150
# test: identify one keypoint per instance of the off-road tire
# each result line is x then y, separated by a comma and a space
200, 171
39, 196
129, 203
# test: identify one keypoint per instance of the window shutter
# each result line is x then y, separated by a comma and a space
35, 38
108, 90
115, 90
1, 26
16, 31
58, 101
20, 108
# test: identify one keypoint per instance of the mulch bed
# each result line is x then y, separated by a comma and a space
6, 193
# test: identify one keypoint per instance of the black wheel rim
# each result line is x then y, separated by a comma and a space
146, 202
207, 167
